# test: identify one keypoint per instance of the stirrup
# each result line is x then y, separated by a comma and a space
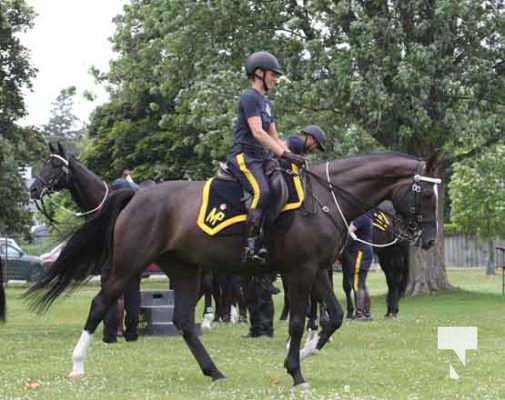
251, 255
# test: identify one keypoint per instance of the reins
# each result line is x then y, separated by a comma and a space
352, 234
331, 187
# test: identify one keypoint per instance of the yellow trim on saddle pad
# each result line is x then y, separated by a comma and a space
299, 190
381, 221
214, 221
214, 216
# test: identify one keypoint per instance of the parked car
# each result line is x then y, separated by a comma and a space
152, 269
19, 265
49, 257
9, 241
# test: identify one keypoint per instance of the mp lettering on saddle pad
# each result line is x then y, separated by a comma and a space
459, 339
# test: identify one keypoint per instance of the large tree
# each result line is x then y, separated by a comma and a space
405, 75
17, 145
63, 125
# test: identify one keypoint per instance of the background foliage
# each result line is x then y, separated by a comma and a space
18, 146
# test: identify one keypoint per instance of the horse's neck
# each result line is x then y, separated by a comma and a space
367, 183
88, 189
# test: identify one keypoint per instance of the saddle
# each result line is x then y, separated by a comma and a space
225, 203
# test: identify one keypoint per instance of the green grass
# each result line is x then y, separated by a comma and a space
377, 360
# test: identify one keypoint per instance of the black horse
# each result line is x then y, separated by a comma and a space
159, 225
393, 256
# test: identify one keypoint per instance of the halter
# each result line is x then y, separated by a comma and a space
412, 232
65, 170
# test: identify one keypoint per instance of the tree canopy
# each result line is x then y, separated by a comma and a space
478, 194
18, 146
405, 75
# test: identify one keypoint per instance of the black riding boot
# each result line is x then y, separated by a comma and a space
367, 309
360, 306
254, 250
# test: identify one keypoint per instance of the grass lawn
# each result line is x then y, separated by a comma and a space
378, 360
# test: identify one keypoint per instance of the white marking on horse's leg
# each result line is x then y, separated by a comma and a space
302, 389
310, 348
79, 355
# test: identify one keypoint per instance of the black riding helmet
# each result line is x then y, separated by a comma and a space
317, 133
263, 60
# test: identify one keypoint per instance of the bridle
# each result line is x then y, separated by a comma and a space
413, 229
49, 188
413, 226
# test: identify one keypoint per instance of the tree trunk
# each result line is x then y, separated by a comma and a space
427, 267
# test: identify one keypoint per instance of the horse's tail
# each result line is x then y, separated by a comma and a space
85, 254
2, 293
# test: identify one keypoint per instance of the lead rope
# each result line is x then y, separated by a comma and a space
352, 234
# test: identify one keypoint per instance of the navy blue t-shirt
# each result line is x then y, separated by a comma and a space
251, 103
296, 145
363, 231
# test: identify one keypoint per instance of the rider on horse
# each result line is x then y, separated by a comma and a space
310, 140
255, 138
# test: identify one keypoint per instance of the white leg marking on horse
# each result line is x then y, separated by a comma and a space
310, 348
207, 321
79, 355
302, 389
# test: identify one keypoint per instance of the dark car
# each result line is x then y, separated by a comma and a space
48, 258
19, 265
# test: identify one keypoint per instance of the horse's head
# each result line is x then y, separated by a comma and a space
417, 204
54, 176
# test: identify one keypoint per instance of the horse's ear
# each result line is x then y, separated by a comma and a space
433, 162
52, 149
61, 150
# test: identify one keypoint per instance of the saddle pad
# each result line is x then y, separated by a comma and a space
223, 211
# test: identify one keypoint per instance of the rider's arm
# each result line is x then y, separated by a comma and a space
269, 140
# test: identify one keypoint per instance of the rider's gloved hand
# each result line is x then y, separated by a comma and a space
292, 157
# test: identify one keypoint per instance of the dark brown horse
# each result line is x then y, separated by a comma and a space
159, 225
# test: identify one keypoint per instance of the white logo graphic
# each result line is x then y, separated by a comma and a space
459, 339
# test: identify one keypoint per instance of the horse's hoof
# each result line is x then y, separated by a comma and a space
303, 388
76, 375
218, 377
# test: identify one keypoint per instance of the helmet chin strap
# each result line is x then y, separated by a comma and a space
265, 87
305, 143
